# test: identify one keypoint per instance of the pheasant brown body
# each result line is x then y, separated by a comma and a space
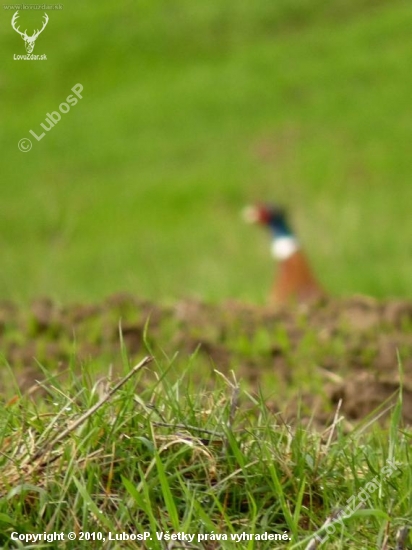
295, 282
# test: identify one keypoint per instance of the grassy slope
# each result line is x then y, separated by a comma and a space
187, 114
164, 461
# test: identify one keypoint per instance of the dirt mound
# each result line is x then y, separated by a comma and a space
308, 358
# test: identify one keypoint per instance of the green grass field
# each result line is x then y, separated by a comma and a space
189, 112
103, 466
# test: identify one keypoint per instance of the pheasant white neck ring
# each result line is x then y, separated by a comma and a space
284, 247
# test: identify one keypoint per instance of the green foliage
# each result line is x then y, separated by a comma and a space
157, 461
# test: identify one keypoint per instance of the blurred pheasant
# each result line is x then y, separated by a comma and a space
295, 281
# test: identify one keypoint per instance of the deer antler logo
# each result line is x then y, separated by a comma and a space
29, 41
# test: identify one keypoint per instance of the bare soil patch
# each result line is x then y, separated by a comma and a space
352, 347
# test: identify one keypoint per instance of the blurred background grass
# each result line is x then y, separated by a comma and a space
191, 110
